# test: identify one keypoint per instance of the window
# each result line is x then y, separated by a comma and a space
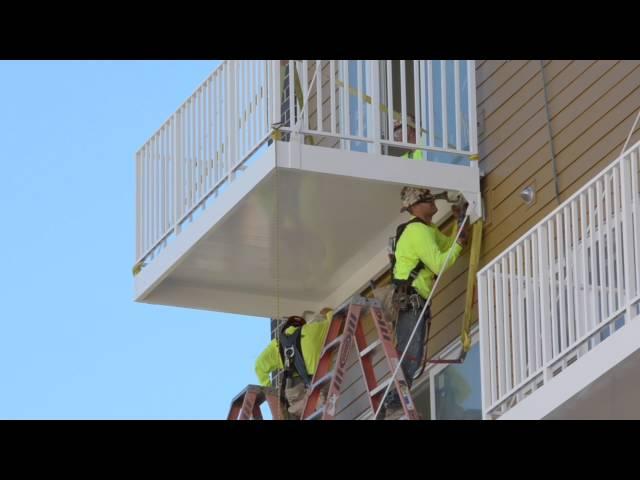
458, 389
422, 400
451, 392
434, 84
445, 69
358, 111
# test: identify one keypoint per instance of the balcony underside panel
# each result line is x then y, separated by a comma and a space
285, 240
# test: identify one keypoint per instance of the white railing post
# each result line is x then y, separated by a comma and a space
545, 311
146, 199
431, 120
360, 92
484, 344
177, 174
473, 126
345, 122
319, 114
138, 206
231, 120
306, 93
629, 262
635, 207
276, 92
456, 99
375, 128
293, 114
332, 96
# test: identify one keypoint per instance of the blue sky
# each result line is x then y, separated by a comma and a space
73, 344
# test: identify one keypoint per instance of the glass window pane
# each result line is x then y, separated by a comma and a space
451, 104
464, 104
458, 394
437, 102
422, 399
356, 91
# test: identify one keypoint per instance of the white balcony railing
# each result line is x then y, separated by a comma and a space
345, 104
565, 286
200, 148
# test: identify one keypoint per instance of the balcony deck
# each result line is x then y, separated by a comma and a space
323, 235
230, 220
559, 309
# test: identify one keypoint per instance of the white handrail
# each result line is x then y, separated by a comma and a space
201, 146
551, 293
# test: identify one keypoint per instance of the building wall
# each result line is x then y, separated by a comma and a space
592, 106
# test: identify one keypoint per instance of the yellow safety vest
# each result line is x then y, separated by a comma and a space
311, 342
427, 243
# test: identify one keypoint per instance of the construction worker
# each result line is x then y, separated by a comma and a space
298, 354
411, 137
419, 255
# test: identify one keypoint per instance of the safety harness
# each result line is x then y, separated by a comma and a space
393, 244
291, 350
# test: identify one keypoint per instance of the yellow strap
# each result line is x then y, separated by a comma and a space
276, 134
474, 260
137, 268
383, 107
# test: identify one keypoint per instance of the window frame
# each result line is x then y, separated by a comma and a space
451, 351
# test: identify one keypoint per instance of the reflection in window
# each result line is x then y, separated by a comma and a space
445, 69
356, 93
422, 399
458, 389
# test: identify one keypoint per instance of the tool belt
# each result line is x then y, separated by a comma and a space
405, 297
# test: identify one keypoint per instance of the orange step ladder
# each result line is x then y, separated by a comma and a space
246, 405
346, 330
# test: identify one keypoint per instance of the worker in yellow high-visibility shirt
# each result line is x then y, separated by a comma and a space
419, 253
298, 353
411, 138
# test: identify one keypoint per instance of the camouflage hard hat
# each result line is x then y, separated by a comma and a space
411, 195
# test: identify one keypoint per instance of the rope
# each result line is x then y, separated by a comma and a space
279, 378
306, 98
553, 153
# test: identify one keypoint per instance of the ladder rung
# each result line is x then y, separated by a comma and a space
321, 381
380, 387
316, 414
369, 348
335, 342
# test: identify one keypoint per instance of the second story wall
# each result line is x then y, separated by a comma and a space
592, 106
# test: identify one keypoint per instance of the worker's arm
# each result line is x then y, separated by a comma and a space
425, 243
268, 361
313, 338
445, 242
317, 330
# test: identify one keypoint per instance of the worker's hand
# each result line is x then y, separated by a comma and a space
459, 209
327, 313
464, 236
